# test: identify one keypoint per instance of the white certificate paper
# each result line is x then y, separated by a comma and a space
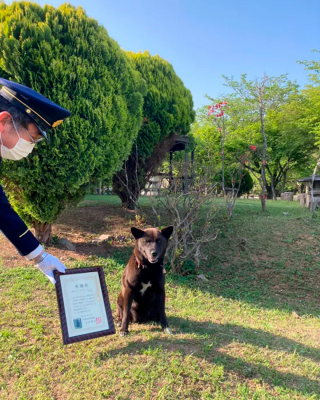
83, 303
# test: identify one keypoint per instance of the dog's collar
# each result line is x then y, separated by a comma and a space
140, 264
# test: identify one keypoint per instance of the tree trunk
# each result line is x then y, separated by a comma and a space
171, 169
126, 200
131, 204
269, 191
192, 168
263, 187
135, 174
127, 191
273, 190
186, 172
43, 232
264, 153
127, 183
222, 157
284, 181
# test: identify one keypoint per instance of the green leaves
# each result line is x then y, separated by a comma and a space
291, 122
167, 109
168, 105
69, 58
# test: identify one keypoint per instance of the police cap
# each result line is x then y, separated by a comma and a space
45, 113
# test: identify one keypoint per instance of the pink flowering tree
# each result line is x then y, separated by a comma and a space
218, 114
257, 98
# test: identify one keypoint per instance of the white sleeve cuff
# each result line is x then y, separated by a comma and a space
34, 253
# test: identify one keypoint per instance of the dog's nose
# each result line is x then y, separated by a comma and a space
154, 254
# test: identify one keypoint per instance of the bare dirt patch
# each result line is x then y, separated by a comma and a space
80, 225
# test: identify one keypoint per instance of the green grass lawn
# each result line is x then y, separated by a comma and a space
110, 200
251, 332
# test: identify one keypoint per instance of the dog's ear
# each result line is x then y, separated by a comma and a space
137, 233
167, 232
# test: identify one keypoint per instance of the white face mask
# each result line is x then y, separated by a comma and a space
21, 149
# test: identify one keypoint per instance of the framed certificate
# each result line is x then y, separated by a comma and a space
83, 303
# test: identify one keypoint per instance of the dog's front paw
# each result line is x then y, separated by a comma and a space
123, 333
168, 331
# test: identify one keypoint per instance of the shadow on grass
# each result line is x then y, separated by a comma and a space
273, 287
273, 272
239, 282
222, 335
255, 286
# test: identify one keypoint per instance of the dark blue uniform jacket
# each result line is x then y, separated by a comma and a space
14, 228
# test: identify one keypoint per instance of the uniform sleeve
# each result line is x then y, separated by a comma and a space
15, 229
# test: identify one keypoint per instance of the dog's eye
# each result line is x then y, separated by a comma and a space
148, 241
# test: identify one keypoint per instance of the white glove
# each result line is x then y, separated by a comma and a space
48, 264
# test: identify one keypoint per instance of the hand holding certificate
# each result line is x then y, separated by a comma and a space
83, 304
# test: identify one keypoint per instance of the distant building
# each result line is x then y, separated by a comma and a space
306, 198
161, 180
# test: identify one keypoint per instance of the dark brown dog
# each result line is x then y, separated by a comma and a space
142, 296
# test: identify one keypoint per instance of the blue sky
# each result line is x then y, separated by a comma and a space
204, 40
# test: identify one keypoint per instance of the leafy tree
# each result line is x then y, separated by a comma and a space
229, 167
313, 118
289, 133
167, 112
291, 141
215, 156
255, 99
313, 65
208, 145
68, 57
246, 184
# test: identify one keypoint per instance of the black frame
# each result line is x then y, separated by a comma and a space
66, 338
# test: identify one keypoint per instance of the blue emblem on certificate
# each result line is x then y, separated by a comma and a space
77, 323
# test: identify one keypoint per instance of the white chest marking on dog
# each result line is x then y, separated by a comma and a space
145, 286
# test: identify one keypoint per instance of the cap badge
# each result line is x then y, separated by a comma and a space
57, 123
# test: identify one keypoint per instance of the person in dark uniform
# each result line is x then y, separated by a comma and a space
25, 116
